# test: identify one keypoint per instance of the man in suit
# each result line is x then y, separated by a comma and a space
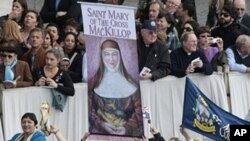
153, 55
59, 11
241, 15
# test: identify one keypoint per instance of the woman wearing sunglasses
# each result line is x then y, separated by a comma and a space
189, 26
13, 72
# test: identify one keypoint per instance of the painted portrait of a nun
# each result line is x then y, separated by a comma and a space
114, 97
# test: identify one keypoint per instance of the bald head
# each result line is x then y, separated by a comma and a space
240, 7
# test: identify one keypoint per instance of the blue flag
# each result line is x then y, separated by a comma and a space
203, 116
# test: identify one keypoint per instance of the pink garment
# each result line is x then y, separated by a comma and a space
210, 52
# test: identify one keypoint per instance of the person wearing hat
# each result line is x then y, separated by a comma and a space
64, 65
154, 58
29, 125
13, 72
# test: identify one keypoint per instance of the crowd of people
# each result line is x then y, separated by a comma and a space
170, 42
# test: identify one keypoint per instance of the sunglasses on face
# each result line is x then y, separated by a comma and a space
224, 15
188, 29
172, 3
7, 56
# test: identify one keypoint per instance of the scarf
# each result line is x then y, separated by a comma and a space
21, 136
9, 74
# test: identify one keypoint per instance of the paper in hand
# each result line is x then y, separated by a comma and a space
144, 70
195, 60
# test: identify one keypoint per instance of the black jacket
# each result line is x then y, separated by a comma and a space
157, 137
246, 21
180, 61
157, 59
230, 34
48, 11
75, 69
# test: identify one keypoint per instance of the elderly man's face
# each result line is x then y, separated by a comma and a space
172, 6
240, 7
190, 45
149, 36
8, 58
246, 49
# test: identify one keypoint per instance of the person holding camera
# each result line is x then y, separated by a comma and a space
205, 42
212, 47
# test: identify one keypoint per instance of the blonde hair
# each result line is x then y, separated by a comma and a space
11, 31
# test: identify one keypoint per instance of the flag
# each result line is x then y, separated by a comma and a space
203, 116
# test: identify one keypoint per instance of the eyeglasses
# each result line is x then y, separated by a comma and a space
8, 56
240, 9
172, 3
188, 29
224, 15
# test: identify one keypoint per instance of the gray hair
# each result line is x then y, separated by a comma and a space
241, 41
57, 52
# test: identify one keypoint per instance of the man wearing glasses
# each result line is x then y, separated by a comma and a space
154, 58
13, 73
240, 10
228, 29
172, 5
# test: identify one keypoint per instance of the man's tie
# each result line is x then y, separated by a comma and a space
9, 74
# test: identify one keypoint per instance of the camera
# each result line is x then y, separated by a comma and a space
46, 83
214, 40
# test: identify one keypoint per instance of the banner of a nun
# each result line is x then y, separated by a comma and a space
112, 68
